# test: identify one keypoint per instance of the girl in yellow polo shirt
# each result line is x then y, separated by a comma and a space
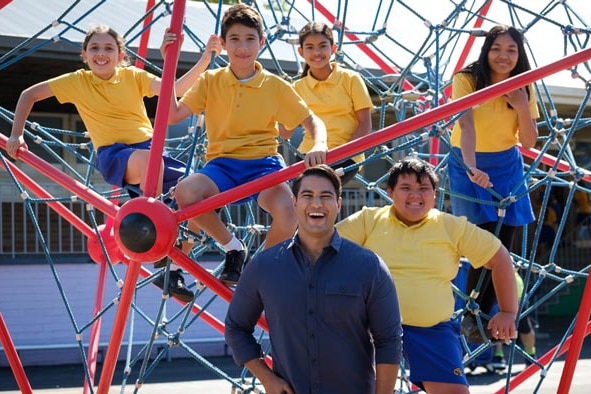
110, 100
484, 141
336, 95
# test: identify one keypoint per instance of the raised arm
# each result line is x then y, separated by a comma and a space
185, 82
24, 105
528, 128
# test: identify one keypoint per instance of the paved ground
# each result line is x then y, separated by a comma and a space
184, 375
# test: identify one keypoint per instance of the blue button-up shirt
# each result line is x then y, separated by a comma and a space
329, 321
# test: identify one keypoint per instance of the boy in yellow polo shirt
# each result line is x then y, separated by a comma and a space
243, 104
422, 247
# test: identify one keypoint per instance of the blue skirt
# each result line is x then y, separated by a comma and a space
505, 170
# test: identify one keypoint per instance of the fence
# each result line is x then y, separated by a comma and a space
19, 237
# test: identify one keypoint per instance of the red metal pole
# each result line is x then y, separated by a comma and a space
385, 135
58, 207
154, 164
4, 3
544, 360
95, 331
119, 324
163, 107
578, 335
63, 180
213, 283
145, 39
13, 359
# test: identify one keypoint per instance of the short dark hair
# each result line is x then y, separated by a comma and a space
322, 171
415, 166
243, 14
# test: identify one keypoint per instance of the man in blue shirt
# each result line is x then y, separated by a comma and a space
331, 305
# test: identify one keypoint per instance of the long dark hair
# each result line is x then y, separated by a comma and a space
480, 69
314, 28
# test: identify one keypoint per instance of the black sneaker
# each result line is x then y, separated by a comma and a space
499, 363
163, 261
528, 362
471, 331
233, 265
176, 285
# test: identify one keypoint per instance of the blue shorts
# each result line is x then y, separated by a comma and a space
111, 161
434, 354
505, 170
228, 173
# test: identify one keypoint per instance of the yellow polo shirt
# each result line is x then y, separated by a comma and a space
241, 117
335, 101
112, 110
496, 125
423, 258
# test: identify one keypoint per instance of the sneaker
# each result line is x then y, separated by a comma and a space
233, 265
471, 331
176, 285
163, 261
499, 363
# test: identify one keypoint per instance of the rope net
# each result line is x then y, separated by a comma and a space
406, 53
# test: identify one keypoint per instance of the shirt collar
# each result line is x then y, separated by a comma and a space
335, 243
395, 219
114, 80
256, 82
333, 78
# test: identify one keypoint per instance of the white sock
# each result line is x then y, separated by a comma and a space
234, 244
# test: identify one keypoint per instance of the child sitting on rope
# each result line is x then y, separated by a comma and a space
109, 98
243, 104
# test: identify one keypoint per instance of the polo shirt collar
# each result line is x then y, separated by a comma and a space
114, 80
333, 79
255, 82
395, 219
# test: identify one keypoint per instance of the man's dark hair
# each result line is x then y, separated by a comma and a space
418, 167
322, 171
